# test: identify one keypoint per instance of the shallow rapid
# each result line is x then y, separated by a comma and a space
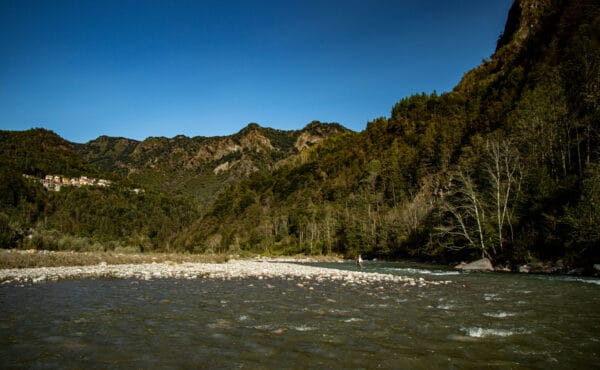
477, 320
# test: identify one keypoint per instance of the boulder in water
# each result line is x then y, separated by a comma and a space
539, 267
524, 269
576, 271
483, 264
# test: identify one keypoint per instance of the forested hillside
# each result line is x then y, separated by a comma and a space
156, 187
78, 218
504, 166
39, 152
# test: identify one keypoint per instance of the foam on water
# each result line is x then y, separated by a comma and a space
491, 297
422, 271
304, 328
353, 319
499, 315
588, 281
477, 332
585, 280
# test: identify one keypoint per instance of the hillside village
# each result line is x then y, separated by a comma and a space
55, 182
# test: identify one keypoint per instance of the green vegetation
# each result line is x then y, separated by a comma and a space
92, 218
177, 176
39, 152
504, 166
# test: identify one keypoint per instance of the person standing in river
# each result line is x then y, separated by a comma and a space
359, 262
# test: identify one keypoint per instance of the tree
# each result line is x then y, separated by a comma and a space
468, 202
584, 217
8, 236
462, 215
504, 167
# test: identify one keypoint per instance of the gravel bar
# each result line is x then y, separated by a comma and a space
235, 269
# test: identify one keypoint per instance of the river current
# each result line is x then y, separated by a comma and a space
477, 320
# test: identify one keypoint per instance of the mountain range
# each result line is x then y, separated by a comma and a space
200, 166
504, 166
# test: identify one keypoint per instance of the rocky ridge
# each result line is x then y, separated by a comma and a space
199, 166
129, 156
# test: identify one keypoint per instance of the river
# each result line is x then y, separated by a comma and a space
477, 320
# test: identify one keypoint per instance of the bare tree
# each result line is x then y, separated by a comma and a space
463, 214
481, 212
410, 213
504, 167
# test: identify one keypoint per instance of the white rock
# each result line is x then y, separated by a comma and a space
483, 264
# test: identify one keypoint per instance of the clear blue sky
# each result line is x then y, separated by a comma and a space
85, 68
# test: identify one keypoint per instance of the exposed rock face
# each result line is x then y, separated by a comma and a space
306, 139
193, 153
256, 141
172, 164
314, 133
483, 264
523, 19
215, 150
221, 168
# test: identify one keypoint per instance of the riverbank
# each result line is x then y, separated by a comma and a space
18, 258
31, 258
536, 267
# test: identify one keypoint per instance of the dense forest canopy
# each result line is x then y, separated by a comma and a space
505, 166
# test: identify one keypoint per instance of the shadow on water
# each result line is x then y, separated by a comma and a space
477, 320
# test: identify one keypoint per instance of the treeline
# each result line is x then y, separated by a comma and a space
89, 218
505, 166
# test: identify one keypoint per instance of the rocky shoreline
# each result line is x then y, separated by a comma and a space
547, 268
234, 269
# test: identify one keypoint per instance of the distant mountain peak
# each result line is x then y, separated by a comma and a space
252, 126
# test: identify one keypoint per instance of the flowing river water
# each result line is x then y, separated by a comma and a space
477, 320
